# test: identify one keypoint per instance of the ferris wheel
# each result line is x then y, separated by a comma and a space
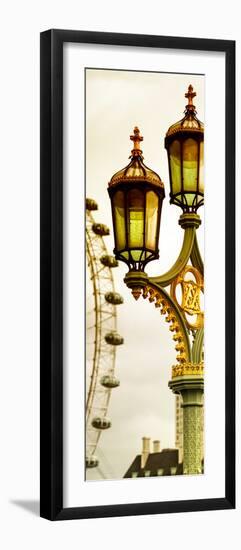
102, 337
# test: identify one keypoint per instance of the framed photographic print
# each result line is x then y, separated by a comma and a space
137, 209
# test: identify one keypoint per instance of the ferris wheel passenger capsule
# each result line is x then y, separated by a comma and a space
113, 338
101, 423
91, 204
109, 381
91, 461
100, 229
113, 298
109, 261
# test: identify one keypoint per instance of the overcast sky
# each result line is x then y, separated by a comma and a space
116, 101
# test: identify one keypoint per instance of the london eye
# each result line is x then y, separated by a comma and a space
102, 337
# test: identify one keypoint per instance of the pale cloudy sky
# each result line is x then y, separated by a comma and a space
116, 101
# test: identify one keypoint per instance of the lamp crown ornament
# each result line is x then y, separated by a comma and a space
136, 170
190, 94
136, 138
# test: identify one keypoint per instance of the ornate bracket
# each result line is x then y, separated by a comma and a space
189, 222
153, 289
173, 317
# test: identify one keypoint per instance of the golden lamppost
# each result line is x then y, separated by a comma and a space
136, 193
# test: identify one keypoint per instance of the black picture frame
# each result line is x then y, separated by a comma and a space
51, 324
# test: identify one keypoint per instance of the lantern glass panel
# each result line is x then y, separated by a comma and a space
151, 219
119, 220
190, 198
201, 168
175, 165
190, 166
135, 201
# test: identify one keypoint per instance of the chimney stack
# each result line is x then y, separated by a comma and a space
145, 451
156, 446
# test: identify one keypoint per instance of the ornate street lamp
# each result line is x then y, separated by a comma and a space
136, 194
185, 148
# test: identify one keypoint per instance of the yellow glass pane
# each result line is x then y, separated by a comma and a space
119, 220
175, 166
151, 219
135, 202
190, 164
125, 255
190, 197
136, 255
201, 168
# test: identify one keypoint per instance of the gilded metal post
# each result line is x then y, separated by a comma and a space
192, 431
188, 381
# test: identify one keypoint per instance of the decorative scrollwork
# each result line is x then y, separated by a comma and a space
155, 296
191, 291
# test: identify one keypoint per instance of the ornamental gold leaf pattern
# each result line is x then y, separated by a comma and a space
188, 369
154, 296
191, 293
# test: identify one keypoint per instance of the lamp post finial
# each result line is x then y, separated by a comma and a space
190, 94
136, 138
